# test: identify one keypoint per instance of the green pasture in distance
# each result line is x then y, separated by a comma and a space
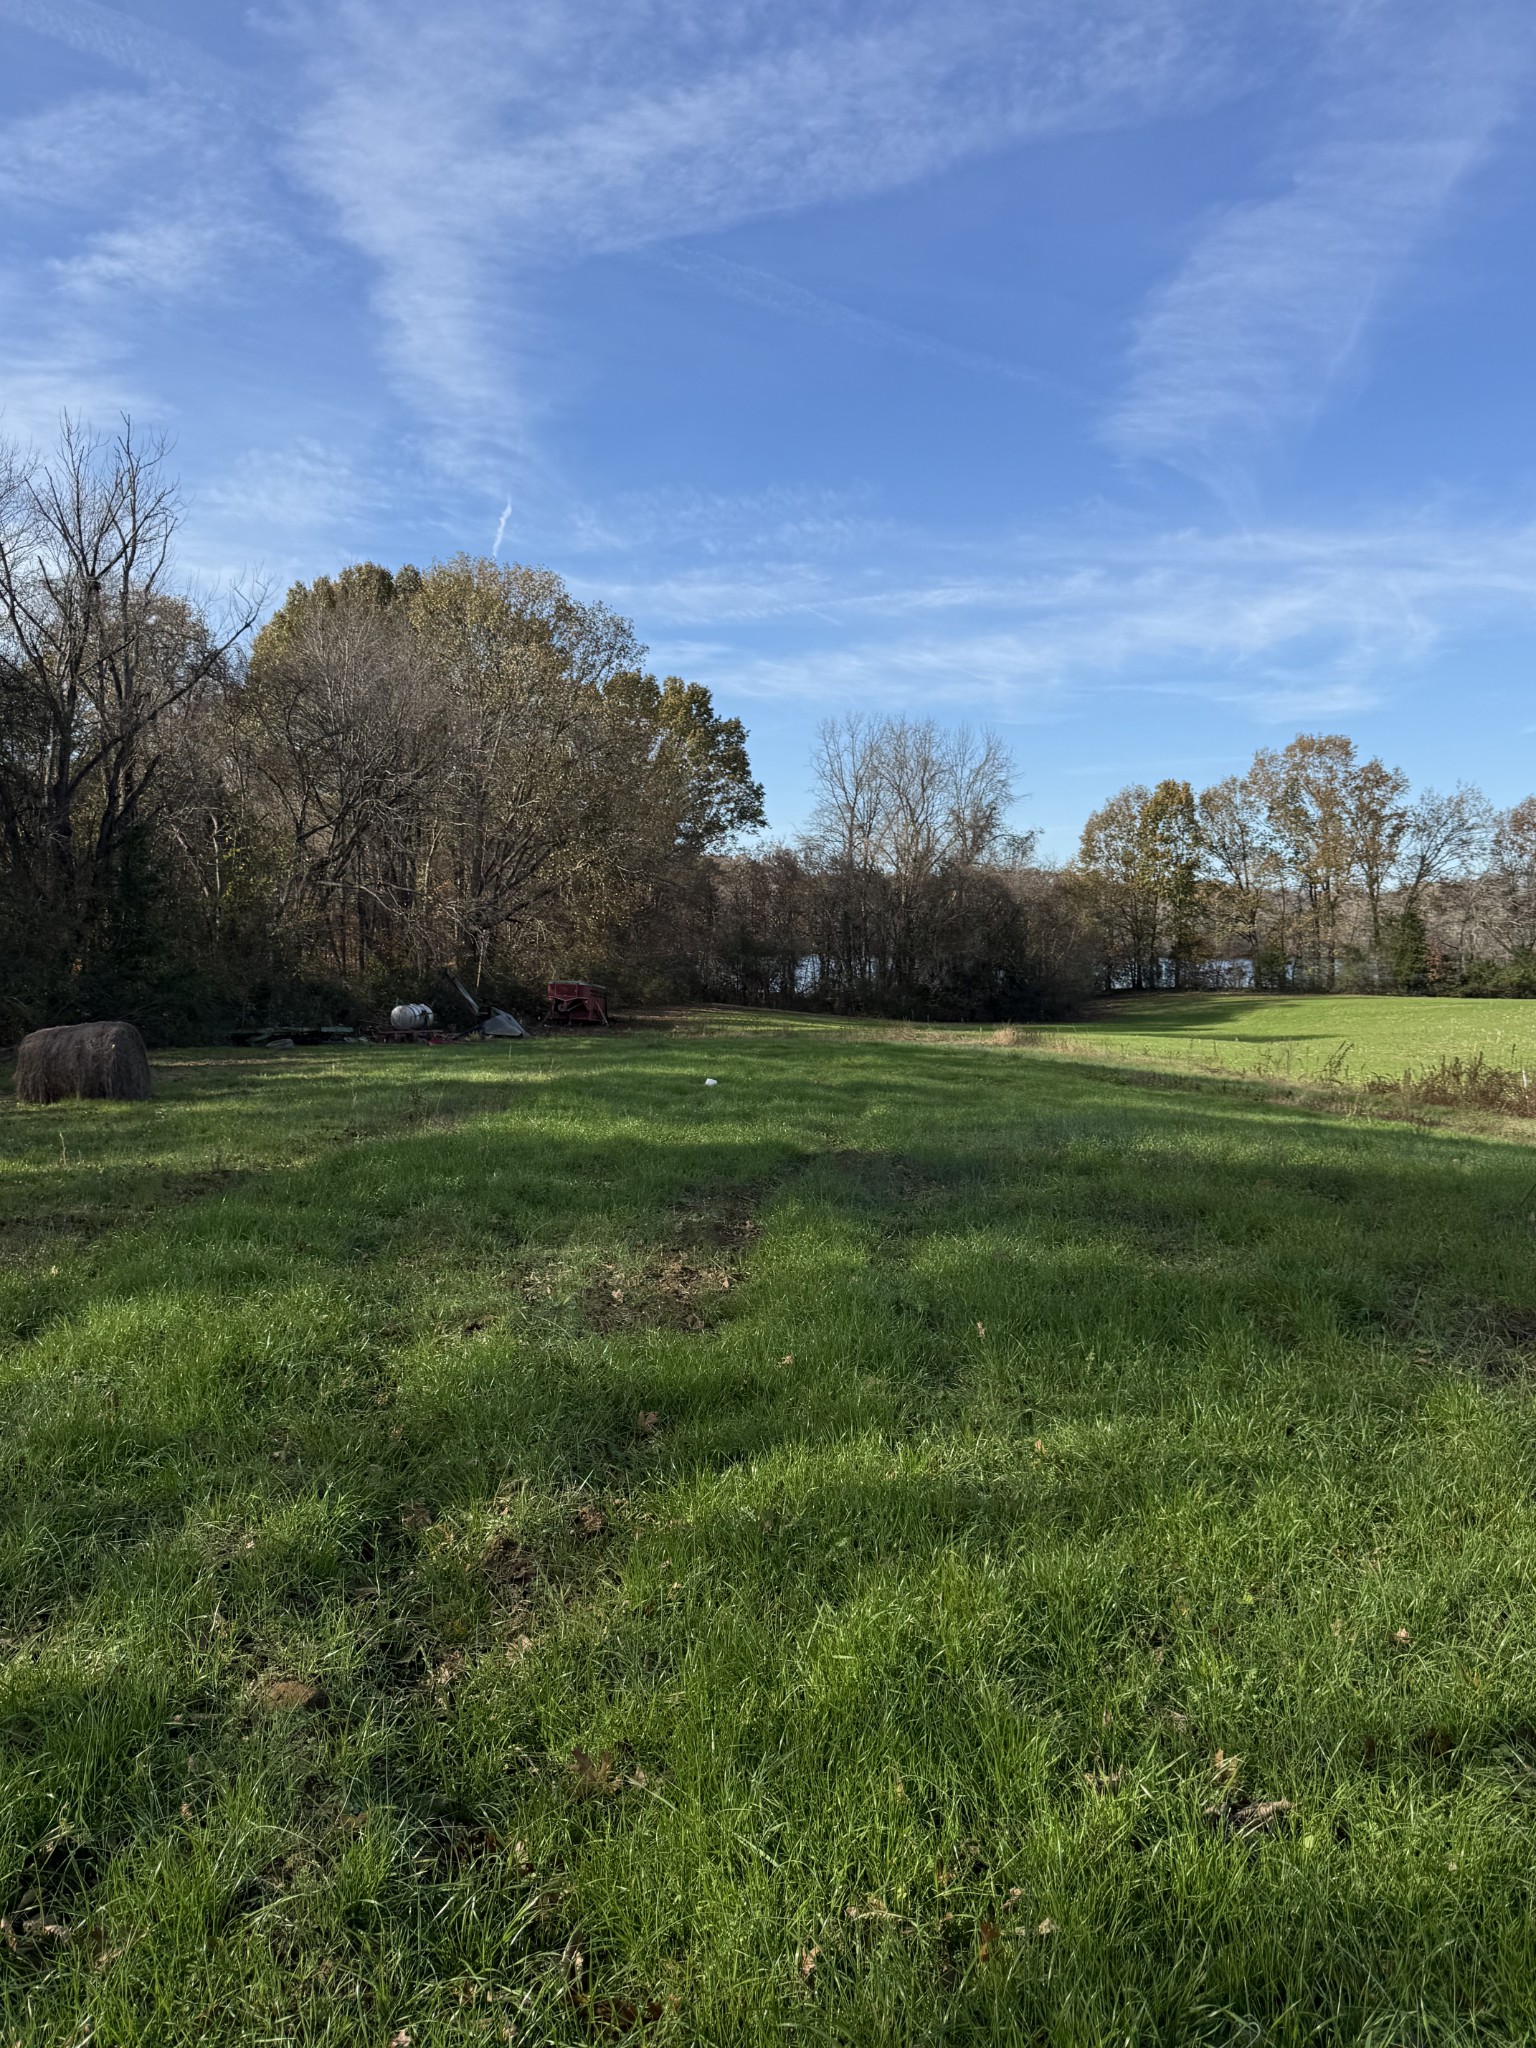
920, 1542
1347, 1038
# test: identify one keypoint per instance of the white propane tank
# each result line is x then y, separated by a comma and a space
411, 1017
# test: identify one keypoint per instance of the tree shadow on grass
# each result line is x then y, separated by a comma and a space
1094, 1228
1274, 1018
983, 1353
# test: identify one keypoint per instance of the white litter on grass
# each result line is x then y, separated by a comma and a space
711, 1084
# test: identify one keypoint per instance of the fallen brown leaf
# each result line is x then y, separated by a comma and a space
873, 1908
34, 1931
290, 1696
1101, 1782
596, 1777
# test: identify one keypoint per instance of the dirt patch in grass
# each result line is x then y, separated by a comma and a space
1499, 1341
510, 1569
44, 1233
1491, 1338
684, 1284
448, 1846
516, 1573
673, 1290
27, 1238
726, 1217
1250, 1816
274, 1695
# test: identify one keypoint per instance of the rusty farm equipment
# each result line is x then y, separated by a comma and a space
576, 1002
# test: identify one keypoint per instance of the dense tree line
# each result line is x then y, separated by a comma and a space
405, 770
1316, 869
467, 766
459, 766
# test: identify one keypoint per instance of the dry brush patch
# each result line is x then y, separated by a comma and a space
1457, 1083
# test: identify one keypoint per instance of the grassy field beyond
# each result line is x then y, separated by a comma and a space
919, 1542
1342, 1038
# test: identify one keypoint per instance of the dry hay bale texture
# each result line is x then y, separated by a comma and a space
83, 1059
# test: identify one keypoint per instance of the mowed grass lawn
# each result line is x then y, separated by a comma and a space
920, 1542
1344, 1038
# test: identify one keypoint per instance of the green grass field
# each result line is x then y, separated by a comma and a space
1348, 1038
922, 1542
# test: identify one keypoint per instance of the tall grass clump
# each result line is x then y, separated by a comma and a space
1457, 1083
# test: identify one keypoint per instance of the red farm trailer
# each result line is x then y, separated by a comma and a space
576, 1002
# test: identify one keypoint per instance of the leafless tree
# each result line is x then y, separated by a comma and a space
1443, 836
98, 656
1513, 875
340, 743
907, 815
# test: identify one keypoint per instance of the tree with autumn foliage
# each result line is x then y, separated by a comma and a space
467, 763
1139, 868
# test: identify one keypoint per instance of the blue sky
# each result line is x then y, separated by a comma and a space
1144, 378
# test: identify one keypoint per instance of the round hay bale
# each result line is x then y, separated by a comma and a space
106, 1060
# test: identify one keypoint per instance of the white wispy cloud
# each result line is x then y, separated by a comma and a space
462, 149
158, 256
1274, 299
311, 502
125, 41
120, 199
87, 150
52, 365
1290, 622
467, 150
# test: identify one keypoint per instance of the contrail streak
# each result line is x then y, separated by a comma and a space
778, 295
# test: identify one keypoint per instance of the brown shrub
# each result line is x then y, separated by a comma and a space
1463, 1084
